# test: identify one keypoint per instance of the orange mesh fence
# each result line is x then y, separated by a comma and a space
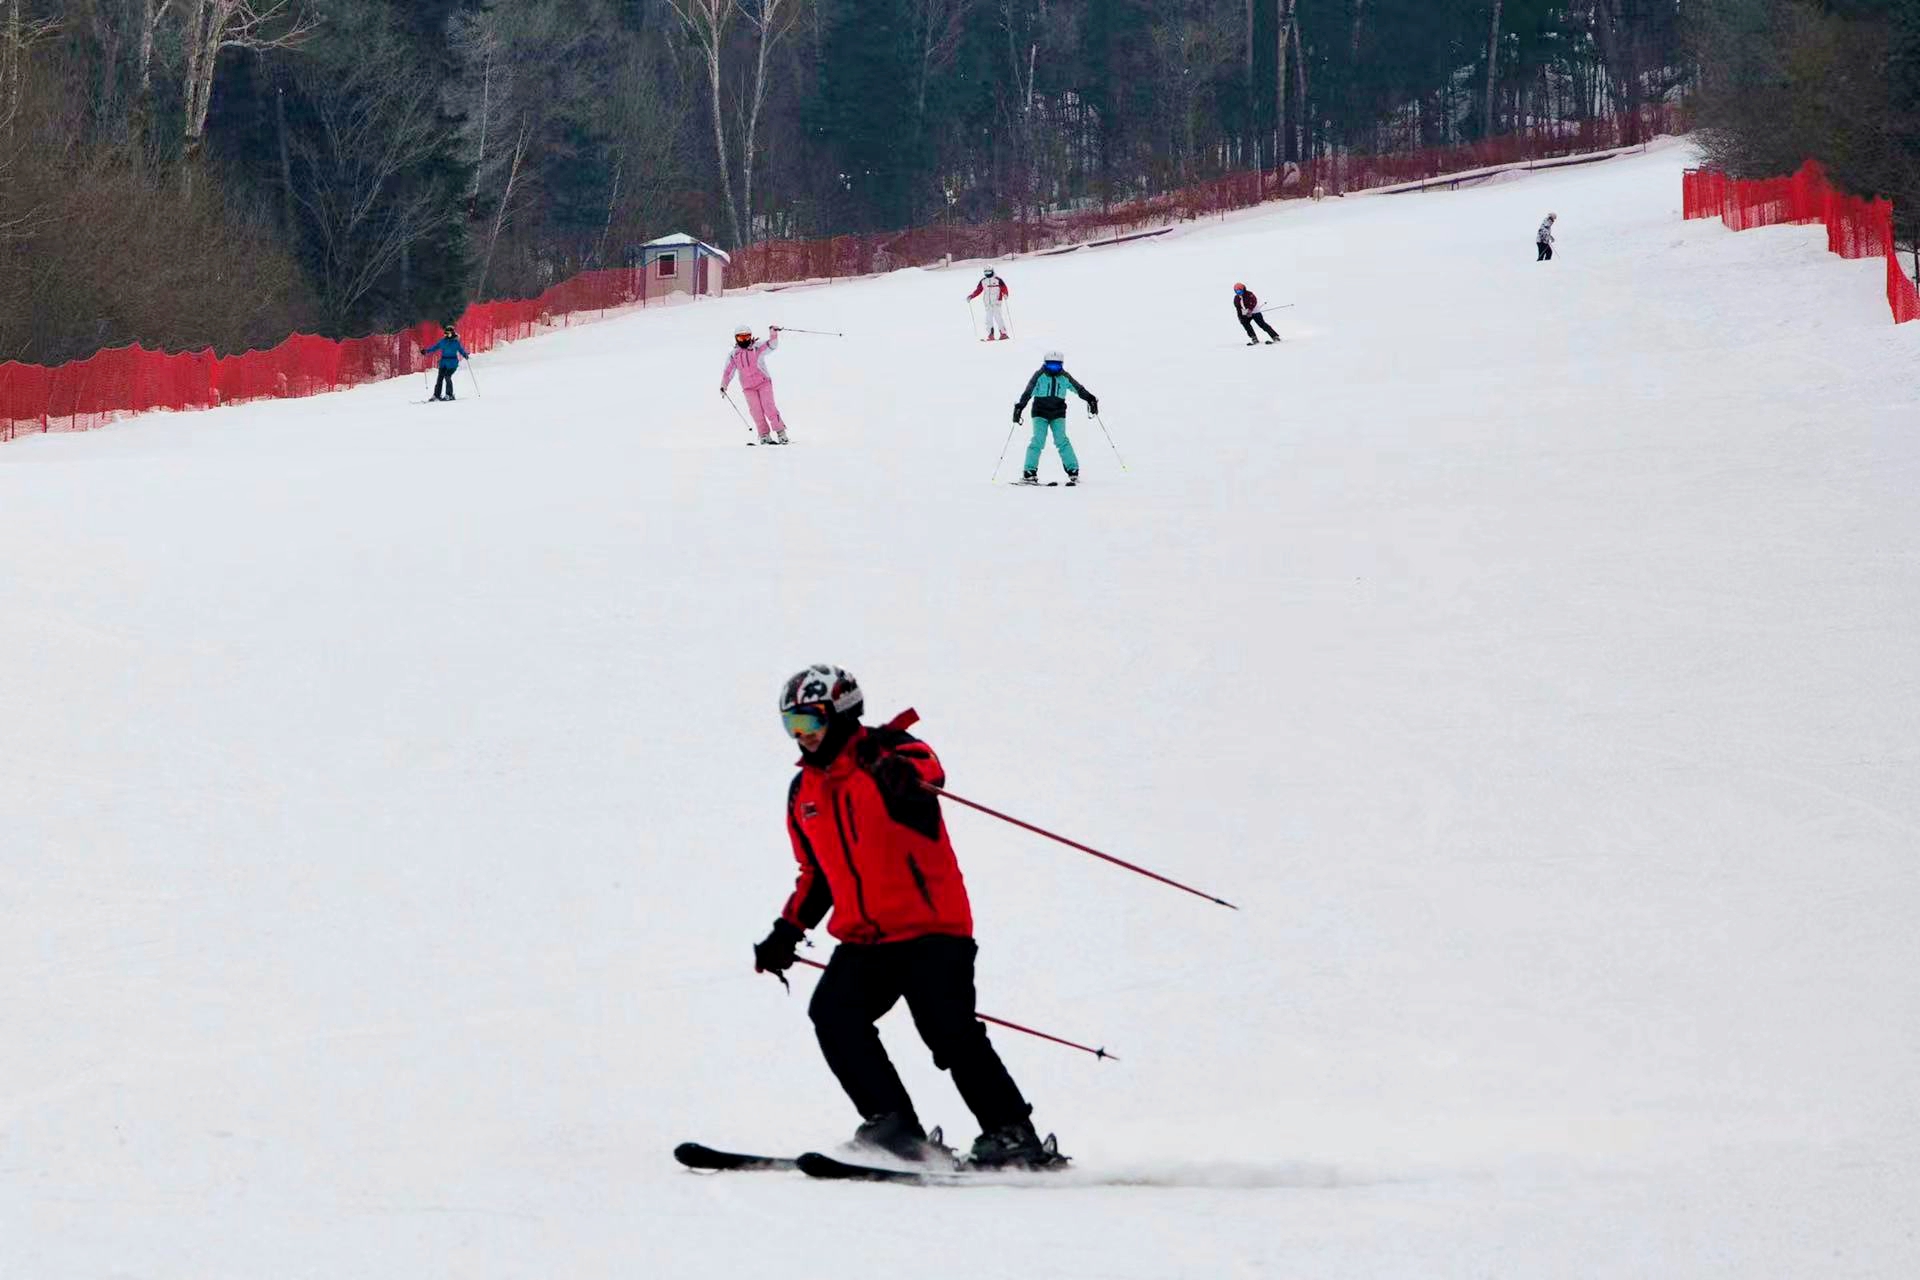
1856, 227
87, 393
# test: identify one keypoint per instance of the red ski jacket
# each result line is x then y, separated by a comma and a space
887, 871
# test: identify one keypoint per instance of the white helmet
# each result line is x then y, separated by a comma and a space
823, 683
1053, 357
988, 271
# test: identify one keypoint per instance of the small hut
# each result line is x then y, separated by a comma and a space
680, 264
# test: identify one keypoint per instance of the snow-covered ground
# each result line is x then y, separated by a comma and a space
392, 791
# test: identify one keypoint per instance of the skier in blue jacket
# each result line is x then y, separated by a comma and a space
451, 354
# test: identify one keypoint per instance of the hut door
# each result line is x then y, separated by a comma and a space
700, 275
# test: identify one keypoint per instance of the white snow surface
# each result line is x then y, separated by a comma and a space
392, 791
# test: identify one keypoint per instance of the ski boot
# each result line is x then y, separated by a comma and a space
899, 1135
1029, 477
780, 436
1073, 478
1015, 1146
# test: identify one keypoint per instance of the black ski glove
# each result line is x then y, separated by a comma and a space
1093, 405
896, 779
775, 952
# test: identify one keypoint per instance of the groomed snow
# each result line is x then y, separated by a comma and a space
392, 791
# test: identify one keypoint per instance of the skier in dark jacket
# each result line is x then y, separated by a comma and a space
1047, 389
451, 354
1246, 309
872, 848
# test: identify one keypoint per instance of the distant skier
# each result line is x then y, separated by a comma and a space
872, 847
1246, 306
1544, 240
993, 292
1048, 388
451, 354
756, 384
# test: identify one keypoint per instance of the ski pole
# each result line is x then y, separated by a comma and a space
1002, 1022
426, 379
945, 794
995, 477
473, 378
973, 321
1110, 444
737, 413
818, 332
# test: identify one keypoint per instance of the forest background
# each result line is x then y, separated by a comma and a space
194, 173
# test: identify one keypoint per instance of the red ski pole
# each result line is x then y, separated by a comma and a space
1073, 844
1002, 1022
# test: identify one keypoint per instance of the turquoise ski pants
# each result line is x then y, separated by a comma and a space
1059, 428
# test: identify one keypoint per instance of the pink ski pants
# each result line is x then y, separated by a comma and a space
766, 414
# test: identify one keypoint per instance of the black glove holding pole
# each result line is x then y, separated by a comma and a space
776, 952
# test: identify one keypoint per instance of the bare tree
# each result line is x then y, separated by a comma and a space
938, 27
1021, 20
209, 26
706, 22
18, 36
1283, 31
374, 120
1493, 66
505, 206
772, 19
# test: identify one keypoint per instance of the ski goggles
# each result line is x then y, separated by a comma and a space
804, 720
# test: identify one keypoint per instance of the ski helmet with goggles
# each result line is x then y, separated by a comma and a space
989, 271
1239, 288
1053, 357
743, 335
810, 699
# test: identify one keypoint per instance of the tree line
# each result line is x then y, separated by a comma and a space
1838, 81
187, 173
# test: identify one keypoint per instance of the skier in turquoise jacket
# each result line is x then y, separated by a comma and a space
1048, 390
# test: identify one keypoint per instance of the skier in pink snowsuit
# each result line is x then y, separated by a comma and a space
755, 383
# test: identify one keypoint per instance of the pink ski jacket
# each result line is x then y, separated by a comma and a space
745, 361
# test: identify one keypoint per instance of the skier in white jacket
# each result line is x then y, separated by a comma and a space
992, 291
1544, 240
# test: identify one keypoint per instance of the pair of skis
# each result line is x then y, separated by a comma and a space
817, 1164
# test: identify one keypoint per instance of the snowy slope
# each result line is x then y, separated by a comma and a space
393, 791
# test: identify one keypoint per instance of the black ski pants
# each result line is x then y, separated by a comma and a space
443, 385
935, 976
1546, 250
1247, 323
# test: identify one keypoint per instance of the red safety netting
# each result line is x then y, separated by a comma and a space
1856, 227
83, 394
87, 393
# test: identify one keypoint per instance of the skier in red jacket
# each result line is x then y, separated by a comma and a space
872, 847
1246, 309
